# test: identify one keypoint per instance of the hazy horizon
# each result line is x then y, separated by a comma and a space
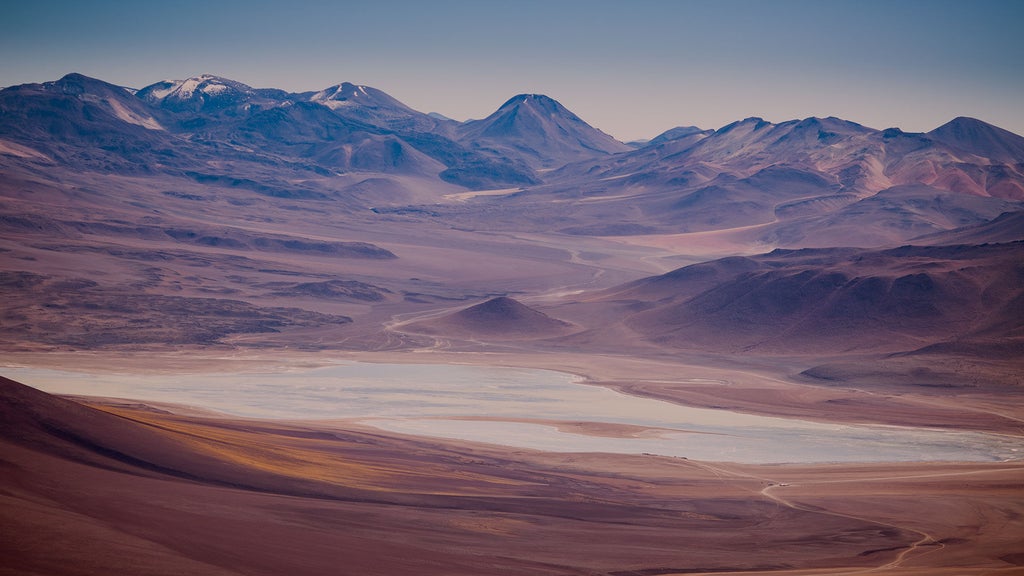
632, 71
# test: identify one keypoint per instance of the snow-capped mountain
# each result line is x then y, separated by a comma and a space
373, 106
194, 121
814, 181
205, 93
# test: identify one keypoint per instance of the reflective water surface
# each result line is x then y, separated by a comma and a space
429, 399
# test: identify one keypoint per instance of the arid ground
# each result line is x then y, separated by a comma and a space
815, 270
131, 488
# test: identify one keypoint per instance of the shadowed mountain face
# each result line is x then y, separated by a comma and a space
1007, 227
891, 216
981, 139
837, 300
78, 122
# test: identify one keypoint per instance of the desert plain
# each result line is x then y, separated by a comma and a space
134, 486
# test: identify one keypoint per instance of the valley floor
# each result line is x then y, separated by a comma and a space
141, 488
131, 488
135, 488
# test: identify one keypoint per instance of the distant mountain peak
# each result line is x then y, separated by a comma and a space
343, 91
677, 133
520, 99
548, 132
980, 138
828, 130
372, 106
832, 122
966, 123
119, 102
349, 94
196, 93
76, 77
541, 104
77, 84
753, 122
210, 84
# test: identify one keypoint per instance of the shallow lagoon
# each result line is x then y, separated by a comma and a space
429, 399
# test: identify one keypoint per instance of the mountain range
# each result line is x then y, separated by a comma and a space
821, 163
241, 204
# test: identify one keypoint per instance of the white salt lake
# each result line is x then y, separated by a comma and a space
432, 400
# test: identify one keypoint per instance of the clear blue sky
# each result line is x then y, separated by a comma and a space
631, 68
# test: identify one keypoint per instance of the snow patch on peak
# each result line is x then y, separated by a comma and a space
322, 95
199, 86
536, 101
347, 94
165, 89
213, 89
131, 117
333, 94
187, 88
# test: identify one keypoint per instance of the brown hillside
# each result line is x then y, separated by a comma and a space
838, 300
498, 318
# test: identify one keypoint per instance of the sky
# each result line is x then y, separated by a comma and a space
631, 68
